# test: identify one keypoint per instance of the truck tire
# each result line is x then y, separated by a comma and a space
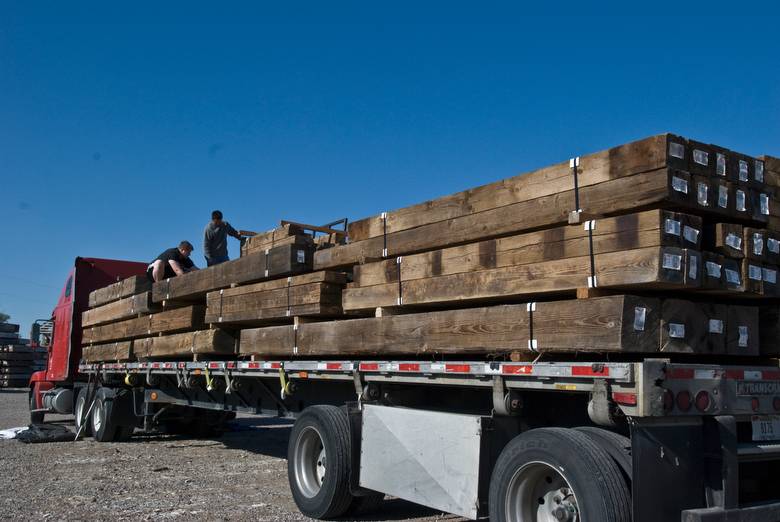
103, 426
618, 446
35, 417
557, 474
79, 409
318, 462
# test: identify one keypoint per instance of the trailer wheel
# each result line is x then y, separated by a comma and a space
80, 409
318, 462
557, 474
618, 446
103, 426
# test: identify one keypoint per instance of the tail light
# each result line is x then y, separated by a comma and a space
703, 401
668, 400
776, 403
754, 403
684, 400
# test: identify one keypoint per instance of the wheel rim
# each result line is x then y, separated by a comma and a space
538, 492
310, 462
79, 411
97, 416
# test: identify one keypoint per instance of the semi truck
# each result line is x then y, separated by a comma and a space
640, 438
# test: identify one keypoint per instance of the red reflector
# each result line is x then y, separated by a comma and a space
231, 364
590, 371
684, 400
770, 375
680, 373
629, 399
276, 366
408, 367
254, 365
735, 374
776, 403
702, 401
457, 368
754, 403
517, 370
369, 367
333, 366
214, 365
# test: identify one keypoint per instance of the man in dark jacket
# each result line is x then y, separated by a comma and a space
215, 239
171, 263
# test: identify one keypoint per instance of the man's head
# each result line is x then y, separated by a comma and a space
185, 247
216, 217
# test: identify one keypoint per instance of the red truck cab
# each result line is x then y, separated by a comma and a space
51, 390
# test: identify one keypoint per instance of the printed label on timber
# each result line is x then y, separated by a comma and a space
758, 387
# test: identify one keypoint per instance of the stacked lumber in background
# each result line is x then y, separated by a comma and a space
660, 246
18, 361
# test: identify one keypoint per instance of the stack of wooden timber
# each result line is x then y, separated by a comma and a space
18, 361
669, 245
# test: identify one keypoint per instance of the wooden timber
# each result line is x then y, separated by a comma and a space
604, 324
688, 327
752, 277
657, 188
769, 329
273, 263
264, 240
115, 291
110, 352
724, 238
754, 242
742, 330
203, 342
649, 268
121, 309
178, 319
9, 328
314, 294
645, 229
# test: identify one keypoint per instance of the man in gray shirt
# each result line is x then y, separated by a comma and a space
215, 239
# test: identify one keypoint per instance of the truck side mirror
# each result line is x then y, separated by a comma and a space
41, 333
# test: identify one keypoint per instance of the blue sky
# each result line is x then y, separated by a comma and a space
121, 131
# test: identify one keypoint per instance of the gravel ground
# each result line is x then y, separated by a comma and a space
240, 476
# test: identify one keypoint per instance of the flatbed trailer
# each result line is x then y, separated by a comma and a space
648, 440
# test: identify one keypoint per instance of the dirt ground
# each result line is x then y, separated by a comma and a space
239, 476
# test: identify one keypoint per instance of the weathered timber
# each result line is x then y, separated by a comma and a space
272, 263
271, 239
215, 341
649, 268
769, 283
754, 243
115, 291
742, 330
657, 188
688, 327
118, 351
752, 277
769, 326
645, 155
712, 277
631, 231
604, 324
724, 238
121, 309
9, 328
178, 319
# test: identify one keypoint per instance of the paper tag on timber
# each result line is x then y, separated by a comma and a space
743, 336
715, 326
723, 196
701, 157
758, 175
740, 198
530, 307
533, 345
743, 170
640, 314
677, 330
758, 243
773, 245
763, 203
574, 162
754, 272
732, 276
769, 275
672, 226
691, 234
734, 241
720, 164
693, 268
672, 262
712, 269
679, 184
589, 225
702, 194
677, 150
301, 256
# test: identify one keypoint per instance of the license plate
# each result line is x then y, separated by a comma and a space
766, 427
